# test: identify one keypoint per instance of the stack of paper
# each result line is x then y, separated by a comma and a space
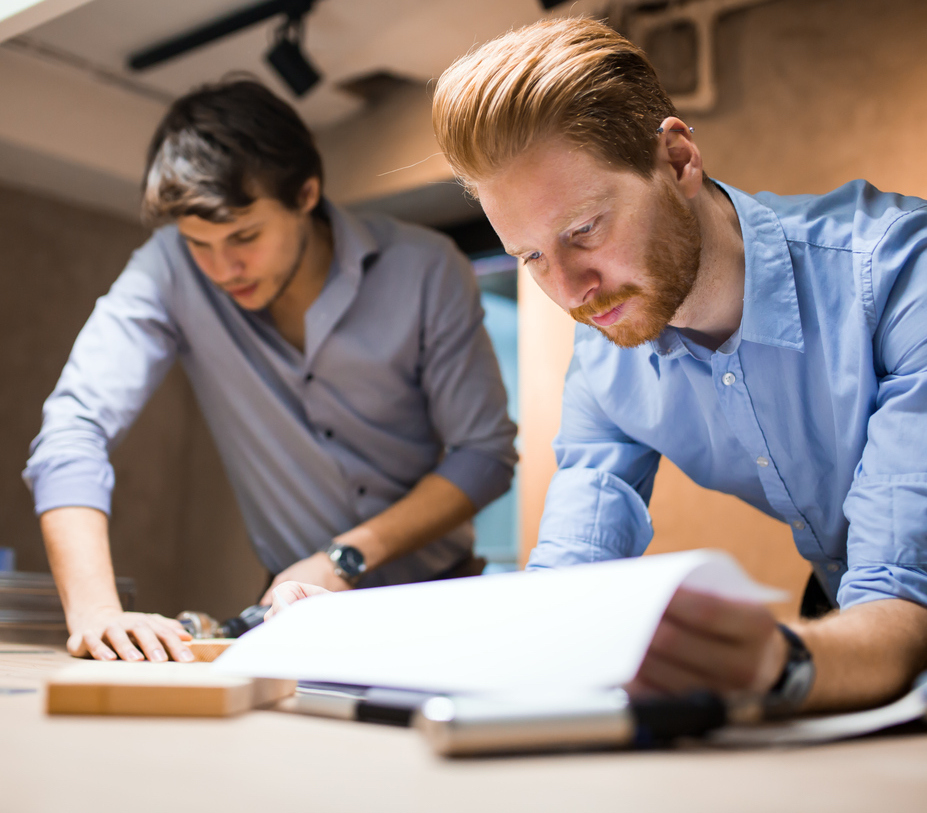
581, 627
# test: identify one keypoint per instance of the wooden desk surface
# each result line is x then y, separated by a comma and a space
272, 761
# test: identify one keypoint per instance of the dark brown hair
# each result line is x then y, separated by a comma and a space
221, 147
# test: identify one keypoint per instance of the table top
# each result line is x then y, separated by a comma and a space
268, 760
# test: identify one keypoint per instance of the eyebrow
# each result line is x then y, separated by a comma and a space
580, 210
574, 214
190, 239
228, 236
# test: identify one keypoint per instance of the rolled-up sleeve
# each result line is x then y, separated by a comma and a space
887, 503
461, 379
596, 506
120, 356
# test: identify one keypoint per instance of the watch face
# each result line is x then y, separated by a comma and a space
351, 561
799, 682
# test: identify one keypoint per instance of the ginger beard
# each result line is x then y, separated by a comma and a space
672, 261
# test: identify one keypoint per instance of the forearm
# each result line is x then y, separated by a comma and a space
431, 509
865, 655
77, 543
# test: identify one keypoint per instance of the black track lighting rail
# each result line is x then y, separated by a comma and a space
230, 24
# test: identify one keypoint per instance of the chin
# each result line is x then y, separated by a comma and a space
630, 336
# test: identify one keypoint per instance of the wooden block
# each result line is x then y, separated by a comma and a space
267, 691
157, 689
206, 650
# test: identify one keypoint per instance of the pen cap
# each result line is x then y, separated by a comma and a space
240, 624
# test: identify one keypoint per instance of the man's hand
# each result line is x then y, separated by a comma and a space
288, 592
705, 642
317, 570
111, 634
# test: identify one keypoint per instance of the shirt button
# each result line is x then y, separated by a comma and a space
798, 525
309, 377
361, 490
762, 462
329, 433
728, 379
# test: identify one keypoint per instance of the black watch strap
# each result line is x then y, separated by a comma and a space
796, 680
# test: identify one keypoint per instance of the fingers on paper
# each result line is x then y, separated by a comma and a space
268, 597
287, 593
704, 642
735, 621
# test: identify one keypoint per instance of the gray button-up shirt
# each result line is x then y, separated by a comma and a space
397, 379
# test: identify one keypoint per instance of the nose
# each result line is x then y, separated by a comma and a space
226, 265
575, 279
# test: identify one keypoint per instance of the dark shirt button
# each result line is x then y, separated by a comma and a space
328, 433
309, 377
361, 491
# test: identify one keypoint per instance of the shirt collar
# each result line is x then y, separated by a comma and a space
354, 248
354, 245
771, 315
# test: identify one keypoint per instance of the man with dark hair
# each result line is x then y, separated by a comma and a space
773, 348
340, 362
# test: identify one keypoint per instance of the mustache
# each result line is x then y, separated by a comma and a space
603, 303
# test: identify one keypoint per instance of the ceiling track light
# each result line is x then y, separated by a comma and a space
285, 55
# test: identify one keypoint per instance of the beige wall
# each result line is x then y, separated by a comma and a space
812, 93
175, 526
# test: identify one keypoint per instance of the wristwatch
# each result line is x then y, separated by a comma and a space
796, 680
348, 561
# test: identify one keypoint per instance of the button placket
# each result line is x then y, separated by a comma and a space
735, 400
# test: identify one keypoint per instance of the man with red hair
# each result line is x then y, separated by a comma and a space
773, 348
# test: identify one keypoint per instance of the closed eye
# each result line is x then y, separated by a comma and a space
583, 230
246, 238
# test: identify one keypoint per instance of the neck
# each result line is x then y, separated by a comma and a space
288, 310
713, 310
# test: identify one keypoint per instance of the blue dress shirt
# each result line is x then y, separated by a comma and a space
397, 379
814, 411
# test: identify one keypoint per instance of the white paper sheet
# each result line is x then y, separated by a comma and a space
586, 626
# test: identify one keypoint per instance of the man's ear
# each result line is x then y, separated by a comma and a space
678, 153
309, 195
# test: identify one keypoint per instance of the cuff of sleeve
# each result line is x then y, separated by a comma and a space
481, 477
590, 515
875, 582
85, 482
